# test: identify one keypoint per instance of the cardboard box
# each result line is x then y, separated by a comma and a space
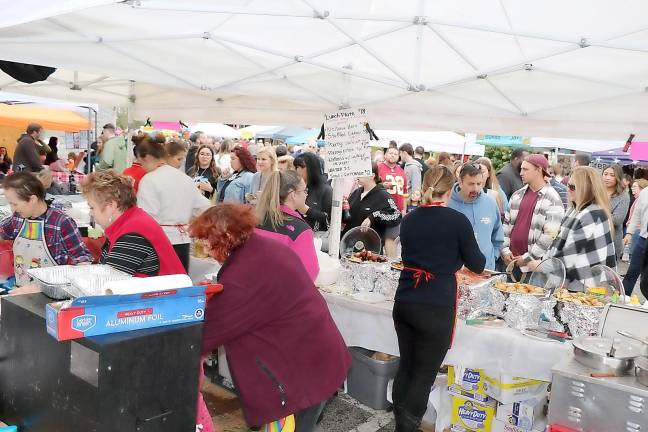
97, 315
469, 415
524, 414
500, 426
468, 383
508, 389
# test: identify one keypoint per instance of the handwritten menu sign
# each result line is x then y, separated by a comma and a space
347, 152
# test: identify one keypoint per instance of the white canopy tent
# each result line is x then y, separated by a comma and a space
442, 141
215, 129
582, 145
576, 69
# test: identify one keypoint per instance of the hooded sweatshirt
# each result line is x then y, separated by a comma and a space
483, 214
413, 173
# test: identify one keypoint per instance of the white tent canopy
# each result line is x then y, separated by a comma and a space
215, 129
442, 141
576, 69
582, 145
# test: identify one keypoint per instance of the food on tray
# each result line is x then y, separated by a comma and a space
601, 291
466, 277
367, 256
397, 265
519, 288
579, 298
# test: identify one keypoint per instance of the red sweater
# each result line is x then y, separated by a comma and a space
136, 172
284, 349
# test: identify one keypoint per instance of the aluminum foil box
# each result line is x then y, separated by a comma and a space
98, 315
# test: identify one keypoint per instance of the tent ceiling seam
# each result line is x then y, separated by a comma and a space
326, 16
522, 112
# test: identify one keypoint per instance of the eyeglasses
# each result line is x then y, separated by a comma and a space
305, 190
572, 187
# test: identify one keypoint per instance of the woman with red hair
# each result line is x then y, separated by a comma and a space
285, 353
235, 187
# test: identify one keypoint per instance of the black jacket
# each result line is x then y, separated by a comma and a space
439, 240
319, 201
26, 155
377, 205
191, 158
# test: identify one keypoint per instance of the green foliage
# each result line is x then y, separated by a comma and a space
499, 156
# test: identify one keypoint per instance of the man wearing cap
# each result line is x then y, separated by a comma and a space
525, 237
115, 150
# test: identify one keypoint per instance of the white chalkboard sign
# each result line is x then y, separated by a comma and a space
347, 150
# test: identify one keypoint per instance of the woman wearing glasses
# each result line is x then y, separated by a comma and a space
371, 206
586, 235
276, 210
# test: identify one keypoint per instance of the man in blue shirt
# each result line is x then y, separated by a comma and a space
481, 210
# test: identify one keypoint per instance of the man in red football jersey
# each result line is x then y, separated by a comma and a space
395, 182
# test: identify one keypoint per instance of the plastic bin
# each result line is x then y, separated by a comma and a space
368, 378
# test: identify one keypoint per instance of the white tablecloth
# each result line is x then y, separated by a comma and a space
371, 326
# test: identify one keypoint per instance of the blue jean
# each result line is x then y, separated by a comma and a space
635, 267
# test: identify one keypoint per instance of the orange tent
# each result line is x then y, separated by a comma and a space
19, 116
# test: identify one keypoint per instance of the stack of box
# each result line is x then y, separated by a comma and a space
483, 401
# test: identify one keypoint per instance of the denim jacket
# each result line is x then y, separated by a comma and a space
235, 187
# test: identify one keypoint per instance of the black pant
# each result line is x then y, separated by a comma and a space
182, 250
306, 419
424, 334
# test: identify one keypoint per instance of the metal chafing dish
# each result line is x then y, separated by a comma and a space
600, 388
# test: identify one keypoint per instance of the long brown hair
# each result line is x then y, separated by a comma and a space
618, 176
276, 190
590, 190
436, 183
212, 164
491, 181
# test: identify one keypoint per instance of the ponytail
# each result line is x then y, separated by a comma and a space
436, 183
275, 192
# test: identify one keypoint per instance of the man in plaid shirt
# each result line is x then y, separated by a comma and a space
526, 237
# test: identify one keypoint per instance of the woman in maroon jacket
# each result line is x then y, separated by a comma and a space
284, 351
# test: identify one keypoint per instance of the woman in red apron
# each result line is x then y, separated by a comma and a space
436, 242
42, 236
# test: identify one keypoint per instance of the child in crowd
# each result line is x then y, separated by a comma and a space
414, 201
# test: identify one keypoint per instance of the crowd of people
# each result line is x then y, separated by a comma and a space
260, 206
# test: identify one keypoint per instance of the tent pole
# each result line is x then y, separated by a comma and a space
301, 59
508, 99
450, 45
335, 227
361, 44
313, 55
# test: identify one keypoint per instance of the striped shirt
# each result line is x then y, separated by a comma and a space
62, 236
132, 253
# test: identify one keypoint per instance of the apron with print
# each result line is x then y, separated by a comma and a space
30, 250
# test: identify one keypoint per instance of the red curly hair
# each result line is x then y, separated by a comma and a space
245, 157
225, 227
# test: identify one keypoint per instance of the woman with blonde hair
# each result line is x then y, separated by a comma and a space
279, 219
436, 242
619, 202
586, 237
491, 185
266, 165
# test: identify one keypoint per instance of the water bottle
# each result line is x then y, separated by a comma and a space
626, 254
72, 184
